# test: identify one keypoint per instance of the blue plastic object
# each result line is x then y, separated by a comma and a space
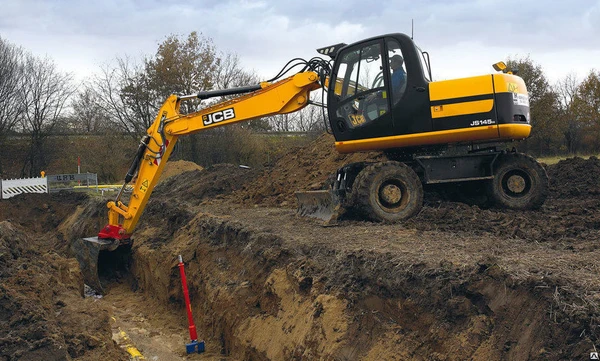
194, 346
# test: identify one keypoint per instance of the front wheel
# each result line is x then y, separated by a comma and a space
388, 191
520, 182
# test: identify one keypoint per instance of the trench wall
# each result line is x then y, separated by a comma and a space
257, 297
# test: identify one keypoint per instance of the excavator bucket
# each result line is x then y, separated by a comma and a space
87, 251
324, 204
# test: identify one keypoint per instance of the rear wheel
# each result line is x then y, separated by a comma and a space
520, 182
388, 191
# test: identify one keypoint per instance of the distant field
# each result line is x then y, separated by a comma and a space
556, 159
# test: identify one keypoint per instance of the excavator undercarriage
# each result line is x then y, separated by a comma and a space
387, 191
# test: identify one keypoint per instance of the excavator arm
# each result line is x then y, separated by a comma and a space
285, 96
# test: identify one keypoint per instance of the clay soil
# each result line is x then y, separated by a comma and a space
460, 281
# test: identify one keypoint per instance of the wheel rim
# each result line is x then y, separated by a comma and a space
392, 196
516, 183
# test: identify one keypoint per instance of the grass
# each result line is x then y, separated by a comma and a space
558, 158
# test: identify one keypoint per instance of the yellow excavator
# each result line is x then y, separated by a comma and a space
379, 96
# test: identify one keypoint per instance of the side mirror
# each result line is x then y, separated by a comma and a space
500, 66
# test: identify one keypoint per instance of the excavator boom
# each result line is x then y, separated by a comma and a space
285, 96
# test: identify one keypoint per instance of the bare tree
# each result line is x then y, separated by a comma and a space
586, 108
10, 73
309, 119
313, 117
230, 74
88, 116
122, 93
44, 93
131, 94
283, 122
573, 130
545, 118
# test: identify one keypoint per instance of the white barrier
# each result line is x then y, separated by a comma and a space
13, 187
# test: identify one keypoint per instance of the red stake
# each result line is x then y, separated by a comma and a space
186, 295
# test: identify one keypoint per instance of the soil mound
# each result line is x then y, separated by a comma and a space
40, 212
570, 215
198, 185
575, 177
177, 167
306, 168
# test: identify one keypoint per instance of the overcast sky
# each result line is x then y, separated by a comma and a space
463, 37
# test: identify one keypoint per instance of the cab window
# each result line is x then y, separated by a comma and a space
397, 70
360, 85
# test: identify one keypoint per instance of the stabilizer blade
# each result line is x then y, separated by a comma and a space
323, 204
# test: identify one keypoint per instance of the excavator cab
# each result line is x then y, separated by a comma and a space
381, 90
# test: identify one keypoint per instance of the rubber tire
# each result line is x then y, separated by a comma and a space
373, 179
525, 168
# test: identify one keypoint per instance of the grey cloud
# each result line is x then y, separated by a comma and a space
277, 30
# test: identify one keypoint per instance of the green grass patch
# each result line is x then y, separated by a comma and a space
556, 159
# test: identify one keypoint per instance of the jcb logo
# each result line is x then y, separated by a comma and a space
219, 116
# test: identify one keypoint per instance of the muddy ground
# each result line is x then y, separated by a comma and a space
460, 281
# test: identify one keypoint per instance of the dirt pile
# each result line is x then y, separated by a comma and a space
40, 212
575, 177
43, 315
177, 167
197, 186
306, 168
570, 216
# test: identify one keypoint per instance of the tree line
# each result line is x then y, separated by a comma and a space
37, 101
565, 116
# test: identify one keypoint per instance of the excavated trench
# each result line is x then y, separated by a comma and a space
259, 295
456, 282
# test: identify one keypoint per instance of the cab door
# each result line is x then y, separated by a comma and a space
358, 94
411, 108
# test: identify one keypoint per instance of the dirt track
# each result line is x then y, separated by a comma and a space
456, 282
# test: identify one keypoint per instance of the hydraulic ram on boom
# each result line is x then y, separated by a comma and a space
285, 96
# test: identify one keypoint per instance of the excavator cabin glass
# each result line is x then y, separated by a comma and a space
361, 85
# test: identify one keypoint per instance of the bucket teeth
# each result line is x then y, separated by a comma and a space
324, 205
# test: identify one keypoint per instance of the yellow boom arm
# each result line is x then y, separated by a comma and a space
285, 96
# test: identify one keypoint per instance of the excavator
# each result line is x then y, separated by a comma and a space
431, 132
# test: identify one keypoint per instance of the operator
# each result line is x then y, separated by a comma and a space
398, 80
398, 77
